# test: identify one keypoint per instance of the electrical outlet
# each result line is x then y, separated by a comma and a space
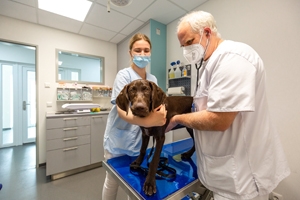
277, 196
49, 104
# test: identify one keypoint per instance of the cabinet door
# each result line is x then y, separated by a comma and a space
61, 160
65, 122
180, 134
98, 124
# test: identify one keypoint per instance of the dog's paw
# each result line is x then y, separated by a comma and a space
137, 162
149, 187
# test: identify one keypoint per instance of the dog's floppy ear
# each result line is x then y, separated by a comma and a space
122, 100
158, 96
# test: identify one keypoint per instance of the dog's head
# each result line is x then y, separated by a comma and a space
141, 96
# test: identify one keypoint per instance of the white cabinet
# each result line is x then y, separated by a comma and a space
185, 82
98, 124
180, 134
74, 141
181, 82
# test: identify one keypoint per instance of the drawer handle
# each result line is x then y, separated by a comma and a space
70, 149
75, 118
72, 138
69, 129
97, 117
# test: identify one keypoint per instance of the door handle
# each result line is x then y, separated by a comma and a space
25, 105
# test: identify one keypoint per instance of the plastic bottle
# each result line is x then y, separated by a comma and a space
177, 71
171, 73
184, 71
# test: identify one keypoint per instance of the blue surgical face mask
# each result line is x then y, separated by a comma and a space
141, 61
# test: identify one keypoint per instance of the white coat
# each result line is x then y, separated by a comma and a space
247, 159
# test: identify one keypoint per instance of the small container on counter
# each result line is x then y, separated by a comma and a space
171, 73
177, 71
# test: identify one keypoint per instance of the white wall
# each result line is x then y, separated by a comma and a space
47, 40
272, 28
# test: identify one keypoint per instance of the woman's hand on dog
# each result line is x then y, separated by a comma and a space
157, 117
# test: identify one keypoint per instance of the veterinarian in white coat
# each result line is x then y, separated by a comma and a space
122, 137
239, 153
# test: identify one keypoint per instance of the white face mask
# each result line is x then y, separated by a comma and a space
194, 53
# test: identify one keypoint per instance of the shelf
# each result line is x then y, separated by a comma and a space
102, 97
74, 94
184, 81
99, 92
183, 77
82, 94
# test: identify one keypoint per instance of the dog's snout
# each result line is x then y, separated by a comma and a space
140, 109
140, 106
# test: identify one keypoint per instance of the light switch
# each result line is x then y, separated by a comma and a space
49, 104
47, 85
157, 31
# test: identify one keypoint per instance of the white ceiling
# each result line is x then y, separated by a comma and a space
112, 27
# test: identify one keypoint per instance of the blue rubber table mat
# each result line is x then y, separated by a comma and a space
186, 171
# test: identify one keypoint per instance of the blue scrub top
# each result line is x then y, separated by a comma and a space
121, 137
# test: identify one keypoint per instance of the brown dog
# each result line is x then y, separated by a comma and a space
144, 96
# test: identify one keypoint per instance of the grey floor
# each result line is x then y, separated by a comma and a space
21, 180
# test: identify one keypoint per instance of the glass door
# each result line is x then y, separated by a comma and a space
29, 104
6, 105
17, 104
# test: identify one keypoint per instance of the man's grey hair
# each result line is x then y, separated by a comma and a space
198, 20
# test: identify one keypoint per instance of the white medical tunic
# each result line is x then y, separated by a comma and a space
121, 137
247, 159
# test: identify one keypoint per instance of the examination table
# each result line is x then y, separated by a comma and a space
183, 187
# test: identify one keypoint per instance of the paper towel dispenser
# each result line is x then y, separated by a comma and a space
176, 91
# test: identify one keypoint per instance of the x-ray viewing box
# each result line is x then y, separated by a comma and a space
185, 183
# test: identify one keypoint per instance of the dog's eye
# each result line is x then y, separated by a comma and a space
145, 88
132, 89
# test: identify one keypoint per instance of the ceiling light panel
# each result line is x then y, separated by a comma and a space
75, 9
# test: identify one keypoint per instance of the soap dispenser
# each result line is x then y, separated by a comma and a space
177, 71
171, 72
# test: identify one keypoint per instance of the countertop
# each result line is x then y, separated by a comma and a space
74, 114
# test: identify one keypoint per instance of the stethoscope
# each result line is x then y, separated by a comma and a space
198, 67
198, 70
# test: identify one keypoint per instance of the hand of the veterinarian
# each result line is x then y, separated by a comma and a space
158, 116
171, 124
